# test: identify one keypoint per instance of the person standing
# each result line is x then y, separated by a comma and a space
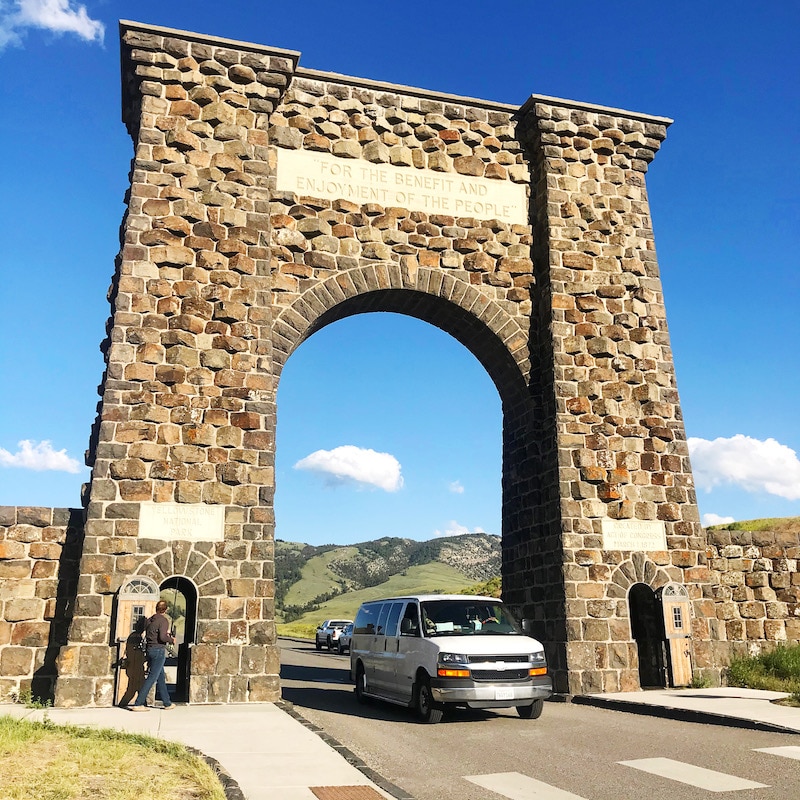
157, 636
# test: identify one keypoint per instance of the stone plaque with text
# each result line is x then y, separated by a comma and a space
191, 522
634, 534
331, 178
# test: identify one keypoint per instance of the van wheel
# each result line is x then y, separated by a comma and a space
340, 649
330, 644
317, 645
361, 685
533, 711
427, 709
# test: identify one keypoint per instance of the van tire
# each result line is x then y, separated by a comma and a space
318, 645
533, 711
427, 709
361, 685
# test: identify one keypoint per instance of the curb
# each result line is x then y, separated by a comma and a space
680, 714
229, 785
348, 755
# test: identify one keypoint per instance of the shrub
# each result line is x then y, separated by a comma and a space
777, 670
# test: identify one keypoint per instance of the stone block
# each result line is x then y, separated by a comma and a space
10, 549
264, 688
30, 634
213, 632
16, 661
20, 609
74, 692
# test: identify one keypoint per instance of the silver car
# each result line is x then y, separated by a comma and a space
343, 643
328, 632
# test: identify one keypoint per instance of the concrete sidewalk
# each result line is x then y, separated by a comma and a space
741, 708
268, 753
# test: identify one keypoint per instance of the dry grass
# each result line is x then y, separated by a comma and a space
777, 524
43, 761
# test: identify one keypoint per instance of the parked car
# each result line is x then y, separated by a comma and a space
328, 632
433, 651
344, 638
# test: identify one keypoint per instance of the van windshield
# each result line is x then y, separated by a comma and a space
468, 618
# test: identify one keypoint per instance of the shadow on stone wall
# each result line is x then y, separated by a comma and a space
44, 678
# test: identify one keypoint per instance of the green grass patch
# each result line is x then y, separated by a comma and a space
777, 671
44, 761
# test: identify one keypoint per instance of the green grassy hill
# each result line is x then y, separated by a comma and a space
313, 583
317, 578
414, 580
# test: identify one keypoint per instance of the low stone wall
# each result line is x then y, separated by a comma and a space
755, 585
40, 551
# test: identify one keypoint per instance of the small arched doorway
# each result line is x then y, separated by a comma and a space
180, 595
647, 629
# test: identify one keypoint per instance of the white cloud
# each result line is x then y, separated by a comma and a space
351, 464
39, 457
454, 528
716, 519
455, 487
57, 16
751, 464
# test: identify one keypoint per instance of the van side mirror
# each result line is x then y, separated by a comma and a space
527, 626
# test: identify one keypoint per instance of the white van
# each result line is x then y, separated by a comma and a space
431, 651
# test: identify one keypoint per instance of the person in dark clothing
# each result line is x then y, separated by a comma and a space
158, 637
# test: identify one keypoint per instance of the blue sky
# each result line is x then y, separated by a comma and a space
373, 410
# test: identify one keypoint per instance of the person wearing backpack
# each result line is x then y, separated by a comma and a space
157, 637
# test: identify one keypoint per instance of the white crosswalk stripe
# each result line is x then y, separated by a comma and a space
689, 774
516, 786
787, 752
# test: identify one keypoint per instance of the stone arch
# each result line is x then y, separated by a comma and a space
639, 568
183, 559
495, 337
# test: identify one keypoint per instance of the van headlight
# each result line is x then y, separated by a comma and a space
538, 664
452, 665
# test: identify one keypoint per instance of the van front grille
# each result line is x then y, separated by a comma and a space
499, 674
520, 659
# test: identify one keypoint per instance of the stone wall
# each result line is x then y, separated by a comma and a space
755, 587
40, 550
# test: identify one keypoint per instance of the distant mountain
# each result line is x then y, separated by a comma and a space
307, 577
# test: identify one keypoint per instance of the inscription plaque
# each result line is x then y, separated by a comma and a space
634, 534
332, 178
191, 522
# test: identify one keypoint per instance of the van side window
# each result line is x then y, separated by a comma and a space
366, 619
409, 625
381, 631
394, 616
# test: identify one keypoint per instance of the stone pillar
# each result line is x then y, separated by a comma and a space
611, 438
187, 413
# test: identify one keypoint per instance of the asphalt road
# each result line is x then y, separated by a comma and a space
570, 752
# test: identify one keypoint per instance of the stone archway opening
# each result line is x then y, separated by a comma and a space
401, 386
647, 630
180, 594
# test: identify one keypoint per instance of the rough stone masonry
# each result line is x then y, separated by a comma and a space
267, 201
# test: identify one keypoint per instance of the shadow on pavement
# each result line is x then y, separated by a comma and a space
343, 701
